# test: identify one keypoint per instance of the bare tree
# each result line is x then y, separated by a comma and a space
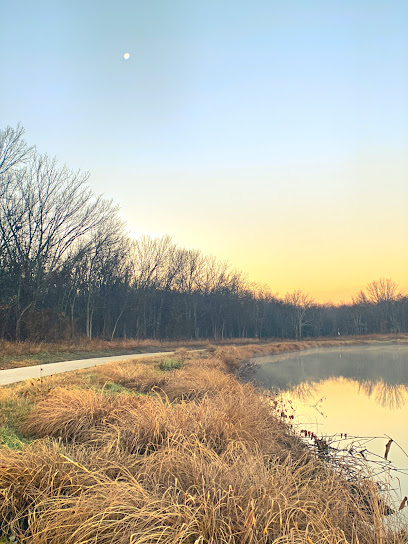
44, 211
99, 261
299, 304
383, 290
384, 294
151, 257
13, 148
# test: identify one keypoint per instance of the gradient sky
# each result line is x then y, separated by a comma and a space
270, 134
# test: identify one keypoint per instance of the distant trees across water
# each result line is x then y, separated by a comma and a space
67, 268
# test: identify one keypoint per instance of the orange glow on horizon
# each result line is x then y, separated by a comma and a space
288, 227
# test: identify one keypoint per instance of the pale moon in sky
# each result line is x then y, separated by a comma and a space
126, 56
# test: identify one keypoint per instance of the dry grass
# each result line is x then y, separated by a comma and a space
72, 413
114, 512
132, 375
241, 499
183, 492
205, 460
233, 412
195, 383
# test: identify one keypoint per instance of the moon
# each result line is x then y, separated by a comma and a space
126, 56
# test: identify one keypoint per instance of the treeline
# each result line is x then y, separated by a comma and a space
68, 269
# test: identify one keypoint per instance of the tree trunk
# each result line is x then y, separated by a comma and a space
18, 321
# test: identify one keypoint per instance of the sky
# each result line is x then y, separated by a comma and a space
272, 135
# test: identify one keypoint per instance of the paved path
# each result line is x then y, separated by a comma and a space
12, 375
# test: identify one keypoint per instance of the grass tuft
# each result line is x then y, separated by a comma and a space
170, 364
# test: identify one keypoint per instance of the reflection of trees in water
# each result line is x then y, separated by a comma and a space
304, 390
362, 365
391, 396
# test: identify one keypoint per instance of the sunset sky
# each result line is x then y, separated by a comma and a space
273, 135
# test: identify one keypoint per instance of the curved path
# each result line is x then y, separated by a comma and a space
12, 375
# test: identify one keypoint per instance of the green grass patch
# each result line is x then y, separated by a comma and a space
170, 364
111, 388
12, 439
13, 412
115, 388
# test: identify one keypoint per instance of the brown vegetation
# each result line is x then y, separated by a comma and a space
200, 459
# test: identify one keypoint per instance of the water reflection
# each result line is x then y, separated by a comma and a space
380, 371
392, 396
304, 390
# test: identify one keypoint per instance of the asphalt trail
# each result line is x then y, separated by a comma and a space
13, 375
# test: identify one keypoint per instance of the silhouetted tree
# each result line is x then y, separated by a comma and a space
67, 267
44, 211
299, 305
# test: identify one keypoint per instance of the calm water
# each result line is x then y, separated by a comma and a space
360, 391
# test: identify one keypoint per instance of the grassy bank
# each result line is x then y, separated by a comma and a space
17, 354
169, 451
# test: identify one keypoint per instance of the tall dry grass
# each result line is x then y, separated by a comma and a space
204, 460
183, 492
139, 424
192, 383
70, 414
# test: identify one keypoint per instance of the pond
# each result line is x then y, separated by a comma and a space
355, 397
